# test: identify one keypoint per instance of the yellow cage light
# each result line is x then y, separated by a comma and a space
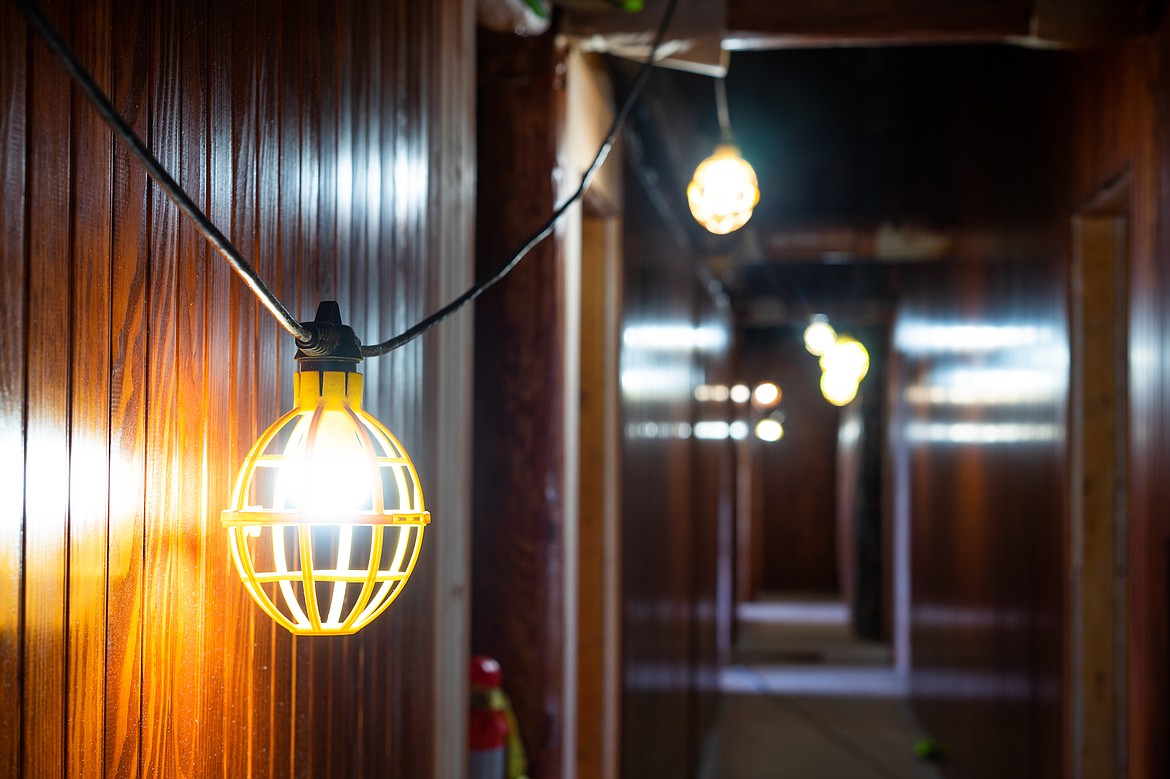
327, 516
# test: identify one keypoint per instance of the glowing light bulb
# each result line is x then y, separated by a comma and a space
740, 393
724, 191
847, 357
327, 517
769, 430
766, 395
838, 388
819, 336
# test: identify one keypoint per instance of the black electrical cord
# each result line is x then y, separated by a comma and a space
123, 131
243, 268
544, 230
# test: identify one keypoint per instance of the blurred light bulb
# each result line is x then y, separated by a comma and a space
846, 356
769, 430
724, 191
838, 388
819, 335
740, 393
766, 395
738, 430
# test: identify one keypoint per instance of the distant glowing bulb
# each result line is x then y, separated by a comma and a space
738, 430
740, 393
724, 191
838, 388
846, 357
766, 395
769, 430
819, 335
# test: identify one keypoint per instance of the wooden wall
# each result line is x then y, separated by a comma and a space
676, 502
519, 483
978, 429
1120, 116
981, 397
798, 475
331, 142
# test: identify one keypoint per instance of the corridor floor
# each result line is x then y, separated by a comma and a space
803, 699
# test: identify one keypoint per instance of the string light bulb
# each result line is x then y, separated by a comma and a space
819, 336
843, 366
724, 191
769, 429
327, 515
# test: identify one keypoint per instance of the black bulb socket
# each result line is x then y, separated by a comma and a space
331, 345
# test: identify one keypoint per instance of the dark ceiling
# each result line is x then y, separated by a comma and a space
871, 158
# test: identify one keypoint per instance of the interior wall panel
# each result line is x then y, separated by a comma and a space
676, 491
982, 352
1121, 121
322, 139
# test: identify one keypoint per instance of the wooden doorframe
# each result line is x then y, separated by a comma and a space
1097, 538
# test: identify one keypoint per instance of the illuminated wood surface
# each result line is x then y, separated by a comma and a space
140, 370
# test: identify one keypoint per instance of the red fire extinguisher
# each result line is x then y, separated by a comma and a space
496, 749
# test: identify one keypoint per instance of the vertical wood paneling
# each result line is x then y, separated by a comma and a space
126, 585
13, 156
1121, 119
168, 568
672, 487
519, 481
270, 697
218, 576
128, 646
249, 724
89, 464
47, 408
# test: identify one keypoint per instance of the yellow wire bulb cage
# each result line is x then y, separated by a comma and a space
327, 516
724, 191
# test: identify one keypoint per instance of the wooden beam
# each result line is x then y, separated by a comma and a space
785, 23
756, 25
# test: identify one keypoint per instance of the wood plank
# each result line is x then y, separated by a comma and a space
517, 575
165, 743
90, 410
239, 111
287, 280
753, 24
128, 378
268, 709
191, 526
448, 357
221, 586
13, 269
47, 454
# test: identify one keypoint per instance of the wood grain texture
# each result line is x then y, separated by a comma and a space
128, 646
128, 409
1120, 116
518, 487
47, 413
13, 281
673, 496
89, 456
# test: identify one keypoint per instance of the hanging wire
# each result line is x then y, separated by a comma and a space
546, 229
721, 108
153, 167
242, 267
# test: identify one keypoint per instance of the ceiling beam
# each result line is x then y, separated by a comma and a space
779, 24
